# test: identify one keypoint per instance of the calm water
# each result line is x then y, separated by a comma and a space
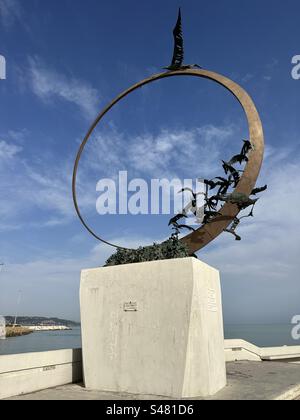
261, 335
42, 341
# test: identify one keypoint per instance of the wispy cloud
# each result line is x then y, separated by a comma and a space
48, 84
266, 73
168, 154
267, 260
45, 276
8, 151
10, 12
35, 193
27, 187
44, 189
247, 77
177, 149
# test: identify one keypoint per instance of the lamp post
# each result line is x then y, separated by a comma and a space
18, 304
2, 319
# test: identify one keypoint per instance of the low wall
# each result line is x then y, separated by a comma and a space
241, 350
48, 328
26, 373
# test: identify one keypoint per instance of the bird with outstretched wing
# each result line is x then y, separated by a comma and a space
176, 219
178, 55
259, 190
238, 159
247, 147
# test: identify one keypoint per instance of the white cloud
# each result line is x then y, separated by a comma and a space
177, 149
48, 84
18, 136
168, 154
8, 151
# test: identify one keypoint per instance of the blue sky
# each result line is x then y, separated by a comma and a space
66, 60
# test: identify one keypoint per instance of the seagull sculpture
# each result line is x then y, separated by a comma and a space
259, 190
178, 56
247, 147
233, 229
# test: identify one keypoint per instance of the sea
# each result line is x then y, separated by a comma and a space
261, 335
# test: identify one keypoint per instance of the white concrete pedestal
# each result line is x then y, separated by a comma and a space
153, 328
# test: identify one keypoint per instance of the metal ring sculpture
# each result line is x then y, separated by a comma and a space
208, 232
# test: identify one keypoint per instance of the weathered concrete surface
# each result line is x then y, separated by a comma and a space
30, 372
153, 328
246, 381
262, 381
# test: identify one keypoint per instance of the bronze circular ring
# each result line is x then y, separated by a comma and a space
208, 232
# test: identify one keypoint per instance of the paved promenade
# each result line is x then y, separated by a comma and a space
246, 381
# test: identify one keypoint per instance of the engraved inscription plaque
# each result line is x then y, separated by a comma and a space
49, 368
130, 307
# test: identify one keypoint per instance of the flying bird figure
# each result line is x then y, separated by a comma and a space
259, 190
238, 159
246, 148
195, 195
177, 227
211, 183
190, 228
229, 169
176, 219
251, 214
233, 229
223, 184
235, 225
192, 207
178, 56
212, 202
209, 211
243, 201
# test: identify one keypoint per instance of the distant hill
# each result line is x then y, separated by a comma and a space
39, 320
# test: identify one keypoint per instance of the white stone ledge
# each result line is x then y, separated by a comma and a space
241, 350
26, 373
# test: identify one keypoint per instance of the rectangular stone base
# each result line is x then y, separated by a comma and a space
153, 328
